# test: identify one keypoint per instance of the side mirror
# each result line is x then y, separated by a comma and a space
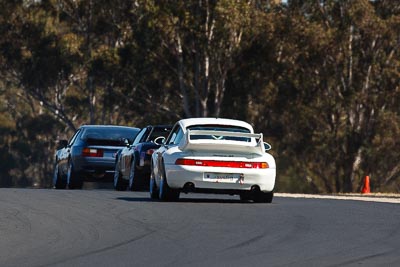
267, 146
159, 140
126, 142
62, 144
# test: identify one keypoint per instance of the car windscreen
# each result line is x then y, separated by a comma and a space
227, 128
109, 136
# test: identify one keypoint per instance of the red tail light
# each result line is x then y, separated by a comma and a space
219, 163
92, 152
150, 152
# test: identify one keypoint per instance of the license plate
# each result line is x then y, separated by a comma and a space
109, 154
223, 177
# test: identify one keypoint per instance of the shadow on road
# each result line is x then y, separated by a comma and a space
135, 199
97, 185
186, 200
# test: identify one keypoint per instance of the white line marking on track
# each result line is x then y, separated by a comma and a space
384, 198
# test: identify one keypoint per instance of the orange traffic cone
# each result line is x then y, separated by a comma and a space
366, 189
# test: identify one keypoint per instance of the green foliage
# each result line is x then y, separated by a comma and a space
319, 79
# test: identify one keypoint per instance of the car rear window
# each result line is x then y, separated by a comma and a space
108, 135
159, 132
227, 128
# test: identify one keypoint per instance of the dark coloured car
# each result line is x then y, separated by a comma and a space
132, 164
90, 154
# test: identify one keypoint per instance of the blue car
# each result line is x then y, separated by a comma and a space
90, 155
132, 164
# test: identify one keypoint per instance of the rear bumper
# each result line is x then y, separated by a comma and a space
96, 169
97, 175
178, 176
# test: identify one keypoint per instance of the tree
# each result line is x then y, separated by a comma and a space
201, 39
332, 94
320, 79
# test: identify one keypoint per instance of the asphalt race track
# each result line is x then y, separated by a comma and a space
47, 227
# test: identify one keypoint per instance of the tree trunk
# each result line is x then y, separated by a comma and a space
92, 99
181, 70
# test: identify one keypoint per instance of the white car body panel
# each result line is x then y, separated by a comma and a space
216, 178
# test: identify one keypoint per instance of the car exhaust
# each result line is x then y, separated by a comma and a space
188, 187
255, 189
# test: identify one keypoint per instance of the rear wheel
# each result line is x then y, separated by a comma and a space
119, 184
73, 179
153, 187
57, 179
166, 193
134, 184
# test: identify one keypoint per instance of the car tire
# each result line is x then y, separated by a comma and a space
262, 197
153, 187
134, 183
74, 181
165, 192
119, 184
58, 183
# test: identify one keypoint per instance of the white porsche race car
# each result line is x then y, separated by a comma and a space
213, 155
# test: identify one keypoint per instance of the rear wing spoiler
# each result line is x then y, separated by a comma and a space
224, 133
256, 145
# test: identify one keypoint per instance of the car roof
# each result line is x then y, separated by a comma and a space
214, 121
106, 126
160, 126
